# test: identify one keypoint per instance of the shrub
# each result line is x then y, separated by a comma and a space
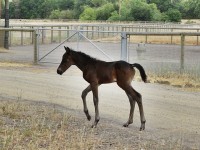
174, 15
88, 14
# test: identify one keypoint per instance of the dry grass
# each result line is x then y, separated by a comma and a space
28, 126
184, 81
34, 125
3, 50
13, 64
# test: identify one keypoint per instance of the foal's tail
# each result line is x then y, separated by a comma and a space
142, 72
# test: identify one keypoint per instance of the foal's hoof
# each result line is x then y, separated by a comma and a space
93, 126
125, 125
88, 118
142, 126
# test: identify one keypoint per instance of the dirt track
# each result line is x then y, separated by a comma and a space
172, 115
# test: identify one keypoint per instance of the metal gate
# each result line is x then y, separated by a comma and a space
78, 36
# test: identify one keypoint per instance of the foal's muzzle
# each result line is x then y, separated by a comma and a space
59, 71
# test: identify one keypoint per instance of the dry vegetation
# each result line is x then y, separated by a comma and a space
26, 125
183, 81
37, 125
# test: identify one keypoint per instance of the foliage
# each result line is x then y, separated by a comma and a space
104, 12
191, 9
134, 10
55, 14
35, 9
174, 15
88, 14
64, 14
139, 11
114, 16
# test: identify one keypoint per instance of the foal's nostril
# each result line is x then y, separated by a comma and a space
59, 71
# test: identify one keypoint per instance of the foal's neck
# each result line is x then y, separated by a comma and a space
82, 60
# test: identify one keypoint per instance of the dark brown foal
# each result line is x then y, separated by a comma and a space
97, 72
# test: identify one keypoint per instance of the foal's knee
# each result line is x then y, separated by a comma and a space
139, 99
83, 95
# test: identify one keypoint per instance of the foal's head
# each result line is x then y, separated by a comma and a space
66, 62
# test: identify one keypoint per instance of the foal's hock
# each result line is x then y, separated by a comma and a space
97, 72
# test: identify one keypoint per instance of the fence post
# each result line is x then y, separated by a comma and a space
146, 30
197, 37
59, 34
182, 53
43, 36
51, 34
171, 36
35, 33
22, 37
124, 52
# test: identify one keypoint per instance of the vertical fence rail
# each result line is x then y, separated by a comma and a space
182, 53
124, 48
36, 45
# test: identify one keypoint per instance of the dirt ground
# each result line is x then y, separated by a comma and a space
172, 115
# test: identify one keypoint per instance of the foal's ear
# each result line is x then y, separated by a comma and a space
67, 49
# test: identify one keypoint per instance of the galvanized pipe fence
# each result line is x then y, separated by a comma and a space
36, 33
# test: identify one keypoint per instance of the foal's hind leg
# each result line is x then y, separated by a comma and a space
138, 98
132, 105
84, 94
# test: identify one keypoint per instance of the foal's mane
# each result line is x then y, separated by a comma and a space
86, 56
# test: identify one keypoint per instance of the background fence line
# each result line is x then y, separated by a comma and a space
106, 30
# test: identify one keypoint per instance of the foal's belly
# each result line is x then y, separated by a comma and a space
107, 76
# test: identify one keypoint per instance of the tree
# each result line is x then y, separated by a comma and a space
114, 16
97, 3
65, 4
125, 11
36, 9
55, 14
155, 13
104, 12
191, 9
163, 5
139, 11
88, 14
173, 15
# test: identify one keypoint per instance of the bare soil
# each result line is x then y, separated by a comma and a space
172, 114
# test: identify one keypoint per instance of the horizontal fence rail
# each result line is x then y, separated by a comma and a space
54, 32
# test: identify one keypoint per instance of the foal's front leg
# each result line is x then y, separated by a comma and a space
94, 88
85, 109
